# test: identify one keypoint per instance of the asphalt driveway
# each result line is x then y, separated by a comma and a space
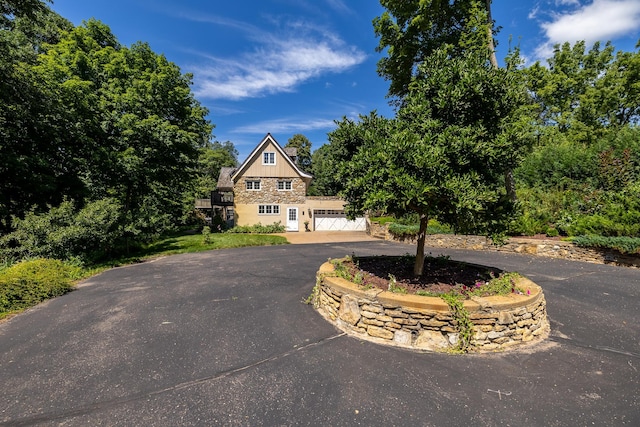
223, 338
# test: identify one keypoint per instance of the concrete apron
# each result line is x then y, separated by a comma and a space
301, 237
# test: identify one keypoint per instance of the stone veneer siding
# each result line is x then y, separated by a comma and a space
425, 323
547, 248
269, 193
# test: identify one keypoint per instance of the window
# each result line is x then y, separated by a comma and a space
269, 158
268, 209
284, 185
253, 184
328, 212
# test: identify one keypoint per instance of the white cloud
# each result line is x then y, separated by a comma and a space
277, 63
339, 6
568, 2
287, 125
601, 20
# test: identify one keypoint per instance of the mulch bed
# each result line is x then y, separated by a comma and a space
440, 275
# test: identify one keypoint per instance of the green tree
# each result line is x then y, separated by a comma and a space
36, 164
445, 153
139, 127
303, 146
212, 158
10, 9
411, 30
568, 93
86, 118
344, 143
324, 181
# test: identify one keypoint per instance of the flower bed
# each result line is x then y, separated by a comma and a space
490, 323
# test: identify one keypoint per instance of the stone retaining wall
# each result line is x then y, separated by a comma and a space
547, 248
426, 323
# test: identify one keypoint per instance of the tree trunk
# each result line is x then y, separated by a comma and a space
422, 234
510, 184
509, 180
492, 48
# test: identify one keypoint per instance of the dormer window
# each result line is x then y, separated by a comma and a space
269, 158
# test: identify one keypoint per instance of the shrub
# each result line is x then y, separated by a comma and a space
560, 164
625, 245
404, 230
382, 220
62, 233
258, 228
552, 232
27, 283
206, 235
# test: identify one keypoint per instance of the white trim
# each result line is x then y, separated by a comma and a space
253, 182
293, 220
269, 209
268, 138
267, 156
287, 185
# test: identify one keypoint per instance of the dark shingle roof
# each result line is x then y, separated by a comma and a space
225, 183
291, 151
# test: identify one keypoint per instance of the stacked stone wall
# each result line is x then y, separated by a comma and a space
547, 248
426, 323
269, 193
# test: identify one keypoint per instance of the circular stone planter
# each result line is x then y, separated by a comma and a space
426, 323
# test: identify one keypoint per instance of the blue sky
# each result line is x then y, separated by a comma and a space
295, 66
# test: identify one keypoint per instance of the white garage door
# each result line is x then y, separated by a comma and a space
336, 220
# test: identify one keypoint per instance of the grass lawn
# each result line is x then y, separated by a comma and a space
25, 284
195, 243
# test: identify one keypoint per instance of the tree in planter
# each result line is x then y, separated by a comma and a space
444, 154
410, 31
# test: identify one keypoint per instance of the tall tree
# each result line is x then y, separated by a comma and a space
411, 30
11, 9
323, 169
97, 119
344, 143
442, 157
32, 172
303, 146
213, 156
584, 94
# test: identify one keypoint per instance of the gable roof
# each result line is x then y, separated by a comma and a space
268, 138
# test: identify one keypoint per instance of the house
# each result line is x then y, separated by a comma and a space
269, 187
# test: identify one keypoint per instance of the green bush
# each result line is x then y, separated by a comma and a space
258, 228
27, 283
411, 230
562, 164
617, 214
382, 220
63, 233
625, 245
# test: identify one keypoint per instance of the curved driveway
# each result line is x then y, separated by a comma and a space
223, 338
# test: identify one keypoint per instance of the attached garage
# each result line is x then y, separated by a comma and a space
336, 220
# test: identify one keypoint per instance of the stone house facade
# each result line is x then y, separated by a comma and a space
269, 187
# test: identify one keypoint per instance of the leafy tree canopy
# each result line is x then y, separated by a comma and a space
585, 93
85, 118
212, 158
303, 146
411, 30
456, 131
